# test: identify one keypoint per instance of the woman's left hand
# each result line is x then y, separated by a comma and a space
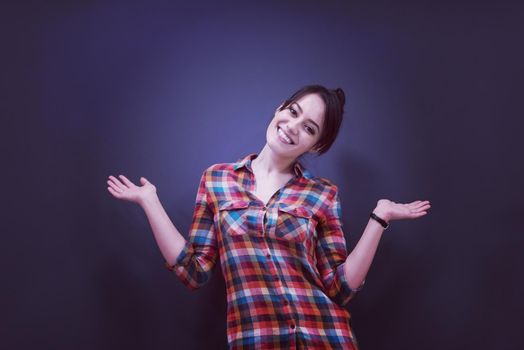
389, 210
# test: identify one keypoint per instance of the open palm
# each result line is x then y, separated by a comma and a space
123, 188
398, 211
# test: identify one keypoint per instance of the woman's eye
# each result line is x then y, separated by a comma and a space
310, 130
292, 111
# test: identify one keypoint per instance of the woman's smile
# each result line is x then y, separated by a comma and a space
284, 137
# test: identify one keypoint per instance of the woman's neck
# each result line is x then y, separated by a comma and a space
269, 163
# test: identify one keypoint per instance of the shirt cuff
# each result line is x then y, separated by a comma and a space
345, 289
183, 258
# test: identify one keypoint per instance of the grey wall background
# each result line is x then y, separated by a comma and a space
164, 90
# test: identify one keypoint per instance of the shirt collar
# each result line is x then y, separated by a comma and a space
246, 162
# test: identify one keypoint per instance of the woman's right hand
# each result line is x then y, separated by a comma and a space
124, 189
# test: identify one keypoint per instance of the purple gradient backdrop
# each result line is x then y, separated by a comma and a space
96, 88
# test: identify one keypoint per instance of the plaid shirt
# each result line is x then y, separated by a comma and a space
282, 261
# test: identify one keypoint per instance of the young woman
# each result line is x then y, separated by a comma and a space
277, 231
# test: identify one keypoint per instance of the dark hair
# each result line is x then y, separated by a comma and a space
334, 101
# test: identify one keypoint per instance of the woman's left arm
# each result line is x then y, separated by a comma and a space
358, 262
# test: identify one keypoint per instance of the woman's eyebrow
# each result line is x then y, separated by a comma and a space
301, 111
311, 120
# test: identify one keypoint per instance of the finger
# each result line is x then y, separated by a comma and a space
417, 215
143, 180
114, 193
113, 186
116, 185
117, 182
126, 181
420, 205
420, 209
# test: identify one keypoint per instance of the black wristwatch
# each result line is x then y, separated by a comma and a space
381, 221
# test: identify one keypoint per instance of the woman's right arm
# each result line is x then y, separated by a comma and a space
167, 237
169, 240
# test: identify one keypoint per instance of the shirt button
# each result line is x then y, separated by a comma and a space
286, 302
292, 326
276, 278
268, 256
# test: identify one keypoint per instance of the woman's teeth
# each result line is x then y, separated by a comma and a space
284, 136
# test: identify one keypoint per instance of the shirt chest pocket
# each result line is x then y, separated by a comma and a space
294, 223
236, 217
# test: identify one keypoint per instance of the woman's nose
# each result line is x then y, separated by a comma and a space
291, 126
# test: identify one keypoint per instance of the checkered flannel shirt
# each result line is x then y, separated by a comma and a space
282, 261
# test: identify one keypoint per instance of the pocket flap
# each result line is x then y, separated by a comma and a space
295, 210
231, 205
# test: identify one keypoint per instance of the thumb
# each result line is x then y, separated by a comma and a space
143, 180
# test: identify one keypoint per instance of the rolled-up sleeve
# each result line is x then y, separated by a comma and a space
331, 252
195, 263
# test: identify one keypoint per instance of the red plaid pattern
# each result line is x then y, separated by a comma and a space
282, 261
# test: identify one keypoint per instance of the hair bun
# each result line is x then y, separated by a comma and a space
341, 96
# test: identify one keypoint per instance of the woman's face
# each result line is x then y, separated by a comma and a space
297, 128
